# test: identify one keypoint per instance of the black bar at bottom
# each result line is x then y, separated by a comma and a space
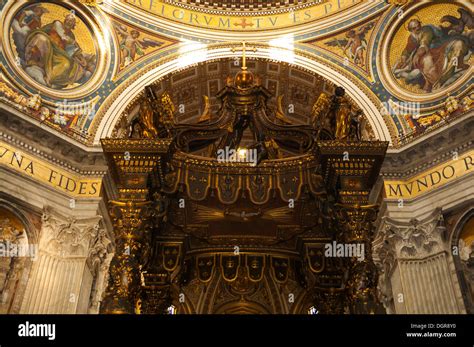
315, 330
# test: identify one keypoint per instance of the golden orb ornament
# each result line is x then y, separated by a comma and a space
244, 79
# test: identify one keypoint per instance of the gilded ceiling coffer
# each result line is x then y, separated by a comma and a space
213, 236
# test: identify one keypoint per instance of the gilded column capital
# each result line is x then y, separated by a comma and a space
356, 222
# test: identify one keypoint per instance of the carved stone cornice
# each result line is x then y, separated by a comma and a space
430, 151
43, 143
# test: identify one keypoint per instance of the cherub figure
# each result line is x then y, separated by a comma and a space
354, 45
131, 45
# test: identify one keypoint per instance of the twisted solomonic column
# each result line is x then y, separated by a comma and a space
130, 221
356, 226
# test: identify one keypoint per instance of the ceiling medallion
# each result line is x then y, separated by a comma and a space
426, 54
56, 47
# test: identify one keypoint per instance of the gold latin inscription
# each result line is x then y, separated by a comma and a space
53, 176
431, 179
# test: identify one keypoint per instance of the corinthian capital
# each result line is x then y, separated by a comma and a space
68, 236
416, 239
356, 222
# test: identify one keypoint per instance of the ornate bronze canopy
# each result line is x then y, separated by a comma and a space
253, 233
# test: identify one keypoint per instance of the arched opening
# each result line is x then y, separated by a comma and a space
16, 253
463, 244
293, 88
111, 112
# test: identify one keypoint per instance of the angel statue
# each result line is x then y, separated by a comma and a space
354, 45
335, 117
166, 112
131, 45
156, 116
319, 121
342, 114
